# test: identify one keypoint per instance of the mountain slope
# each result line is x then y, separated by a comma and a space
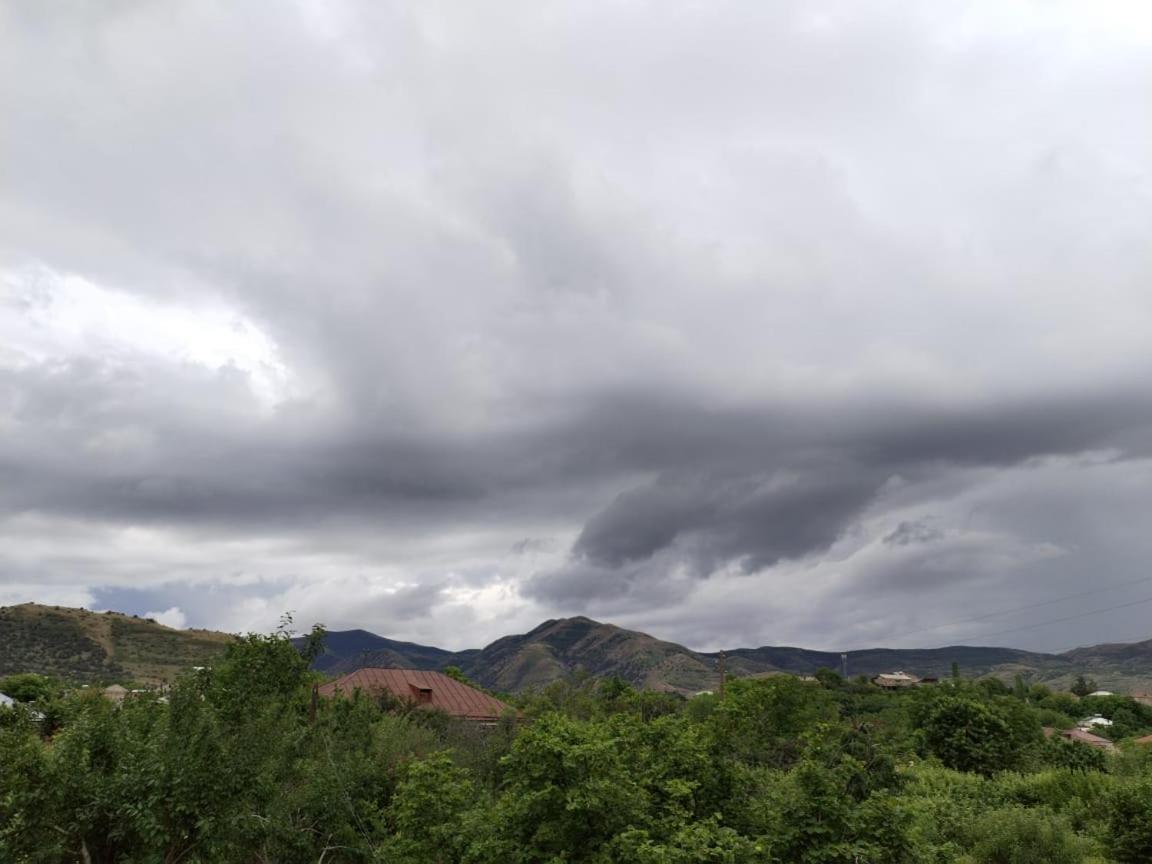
84, 646
561, 647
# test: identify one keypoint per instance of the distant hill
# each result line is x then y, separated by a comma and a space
924, 662
84, 646
95, 646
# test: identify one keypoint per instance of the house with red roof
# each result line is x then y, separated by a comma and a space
432, 690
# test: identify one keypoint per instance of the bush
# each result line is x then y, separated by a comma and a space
1015, 835
1130, 822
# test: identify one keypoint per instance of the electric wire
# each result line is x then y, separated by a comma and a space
1042, 603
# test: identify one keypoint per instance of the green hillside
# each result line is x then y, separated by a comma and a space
84, 646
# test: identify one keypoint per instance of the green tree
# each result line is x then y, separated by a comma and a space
30, 687
430, 814
569, 790
830, 679
970, 734
1083, 686
1130, 823
761, 720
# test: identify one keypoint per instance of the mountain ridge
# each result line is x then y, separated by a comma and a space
562, 647
82, 645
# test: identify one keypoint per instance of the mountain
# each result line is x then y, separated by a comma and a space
79, 645
346, 650
562, 647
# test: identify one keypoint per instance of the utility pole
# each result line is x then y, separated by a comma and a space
844, 665
721, 664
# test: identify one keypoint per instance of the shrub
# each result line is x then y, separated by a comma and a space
1015, 835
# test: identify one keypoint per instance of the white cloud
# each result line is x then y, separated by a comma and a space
172, 617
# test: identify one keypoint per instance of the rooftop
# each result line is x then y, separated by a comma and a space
434, 690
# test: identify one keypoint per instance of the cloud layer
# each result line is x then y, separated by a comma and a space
742, 323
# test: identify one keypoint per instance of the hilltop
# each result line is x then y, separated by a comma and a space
85, 646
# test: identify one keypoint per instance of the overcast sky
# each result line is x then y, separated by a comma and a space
740, 323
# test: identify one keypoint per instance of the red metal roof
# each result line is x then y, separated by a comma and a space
1088, 738
433, 689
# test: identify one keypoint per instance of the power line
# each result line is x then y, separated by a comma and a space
1054, 600
1068, 618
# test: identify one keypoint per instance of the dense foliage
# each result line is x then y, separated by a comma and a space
239, 763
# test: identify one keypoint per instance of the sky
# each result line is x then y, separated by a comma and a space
740, 323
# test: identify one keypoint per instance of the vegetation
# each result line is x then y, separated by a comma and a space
100, 647
238, 763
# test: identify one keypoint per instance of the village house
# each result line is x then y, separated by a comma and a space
1082, 736
895, 680
433, 690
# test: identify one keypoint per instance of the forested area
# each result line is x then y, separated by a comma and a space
239, 764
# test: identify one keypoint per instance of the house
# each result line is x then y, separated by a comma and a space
1101, 693
115, 693
1082, 736
433, 690
895, 680
1094, 720
6, 701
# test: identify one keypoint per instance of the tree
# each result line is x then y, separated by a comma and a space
30, 687
829, 679
1130, 823
569, 790
1019, 688
761, 720
969, 734
1083, 686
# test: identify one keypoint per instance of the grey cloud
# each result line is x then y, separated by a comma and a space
714, 289
910, 533
757, 518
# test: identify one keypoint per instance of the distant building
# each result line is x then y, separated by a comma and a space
1101, 693
895, 680
115, 693
6, 701
432, 690
1095, 720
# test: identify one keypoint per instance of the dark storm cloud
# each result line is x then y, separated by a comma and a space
756, 517
759, 518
